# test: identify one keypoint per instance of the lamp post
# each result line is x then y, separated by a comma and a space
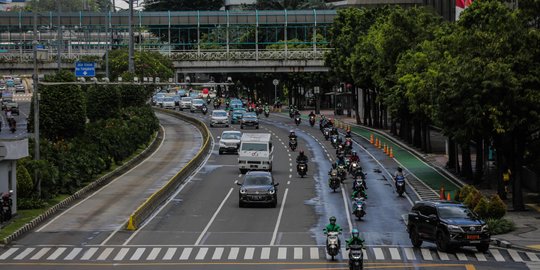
301, 92
275, 82
316, 91
35, 93
131, 63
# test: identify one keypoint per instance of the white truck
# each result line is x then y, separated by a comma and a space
255, 152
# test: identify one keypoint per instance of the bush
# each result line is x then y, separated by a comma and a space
31, 203
25, 185
496, 208
473, 198
464, 192
482, 208
500, 225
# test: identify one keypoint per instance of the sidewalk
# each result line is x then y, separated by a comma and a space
430, 169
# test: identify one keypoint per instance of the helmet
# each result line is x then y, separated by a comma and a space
334, 165
333, 220
399, 169
355, 233
354, 153
301, 152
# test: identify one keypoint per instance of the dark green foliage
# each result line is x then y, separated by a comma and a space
147, 64
481, 208
473, 198
497, 208
500, 225
31, 203
102, 101
24, 181
182, 5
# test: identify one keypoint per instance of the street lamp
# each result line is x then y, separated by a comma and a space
316, 91
301, 91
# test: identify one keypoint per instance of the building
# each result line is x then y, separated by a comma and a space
10, 152
237, 4
8, 5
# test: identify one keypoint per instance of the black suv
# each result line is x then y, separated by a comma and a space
449, 224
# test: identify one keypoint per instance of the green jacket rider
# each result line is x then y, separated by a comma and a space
332, 227
355, 239
362, 193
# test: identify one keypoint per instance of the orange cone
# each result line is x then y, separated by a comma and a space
448, 197
441, 193
377, 142
385, 149
371, 140
391, 153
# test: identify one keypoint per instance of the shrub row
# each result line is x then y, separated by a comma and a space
492, 208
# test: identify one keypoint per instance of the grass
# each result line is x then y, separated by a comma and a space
25, 216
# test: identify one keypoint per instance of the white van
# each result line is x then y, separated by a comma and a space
255, 152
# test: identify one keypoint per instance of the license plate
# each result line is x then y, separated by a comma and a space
473, 237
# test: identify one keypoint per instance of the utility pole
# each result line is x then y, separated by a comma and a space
37, 179
59, 38
107, 40
131, 64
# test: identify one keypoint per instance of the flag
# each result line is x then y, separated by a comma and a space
462, 5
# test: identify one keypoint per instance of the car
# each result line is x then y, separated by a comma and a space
176, 100
258, 188
181, 92
219, 117
249, 120
448, 224
236, 104
13, 107
229, 141
156, 97
168, 103
185, 103
19, 88
197, 104
237, 115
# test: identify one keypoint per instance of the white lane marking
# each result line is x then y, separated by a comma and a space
99, 190
153, 254
394, 254
217, 253
171, 198
314, 253
290, 175
480, 257
426, 254
461, 256
497, 255
282, 253
105, 254
344, 253
289, 154
298, 253
265, 253
532, 257
240, 175
273, 241
365, 254
290, 170
443, 255
201, 254
213, 217
515, 255
409, 253
346, 205
290, 159
169, 254
233, 253
121, 254
137, 255
56, 253
378, 254
185, 253
288, 182
249, 253
8, 253
24, 254
88, 254
42, 252
73, 254
290, 164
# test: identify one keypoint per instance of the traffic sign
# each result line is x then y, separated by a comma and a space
85, 69
40, 47
275, 82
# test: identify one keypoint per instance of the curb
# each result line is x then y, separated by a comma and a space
506, 244
85, 190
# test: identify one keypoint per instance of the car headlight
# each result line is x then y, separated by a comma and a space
454, 228
242, 191
272, 191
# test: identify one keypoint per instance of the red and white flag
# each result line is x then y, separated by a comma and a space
462, 5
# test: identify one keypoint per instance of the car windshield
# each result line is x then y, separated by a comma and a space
231, 136
254, 147
220, 114
238, 113
168, 99
249, 117
257, 180
197, 101
449, 212
186, 99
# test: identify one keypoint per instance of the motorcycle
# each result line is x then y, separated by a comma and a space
358, 184
342, 172
216, 104
332, 244
266, 112
352, 168
326, 133
334, 140
356, 257
334, 181
7, 202
359, 208
347, 146
302, 168
297, 120
312, 121
291, 113
12, 125
400, 185
204, 110
360, 176
293, 144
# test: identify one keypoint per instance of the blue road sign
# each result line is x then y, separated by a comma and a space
85, 69
40, 46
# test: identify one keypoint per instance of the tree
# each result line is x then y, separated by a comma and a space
147, 64
65, 5
62, 108
182, 5
102, 101
24, 181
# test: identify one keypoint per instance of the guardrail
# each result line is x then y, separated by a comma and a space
87, 189
156, 199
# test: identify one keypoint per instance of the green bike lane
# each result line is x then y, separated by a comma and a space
413, 164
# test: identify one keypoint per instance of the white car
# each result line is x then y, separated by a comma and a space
185, 103
219, 117
229, 141
196, 105
168, 103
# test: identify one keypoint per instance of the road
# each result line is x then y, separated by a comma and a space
202, 226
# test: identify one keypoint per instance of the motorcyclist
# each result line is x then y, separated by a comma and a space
292, 135
359, 193
333, 227
301, 158
333, 171
355, 239
348, 133
398, 174
359, 173
334, 131
311, 114
340, 159
354, 157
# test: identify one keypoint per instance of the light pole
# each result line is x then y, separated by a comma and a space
59, 39
316, 91
301, 92
275, 82
131, 64
37, 180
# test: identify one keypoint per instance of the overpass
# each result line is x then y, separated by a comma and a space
210, 41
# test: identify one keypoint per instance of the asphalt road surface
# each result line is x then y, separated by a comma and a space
202, 226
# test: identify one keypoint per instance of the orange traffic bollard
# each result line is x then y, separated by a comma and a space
376, 142
371, 140
448, 197
385, 149
391, 153
441, 193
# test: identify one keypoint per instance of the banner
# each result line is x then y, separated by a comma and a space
462, 5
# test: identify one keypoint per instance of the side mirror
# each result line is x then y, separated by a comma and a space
276, 184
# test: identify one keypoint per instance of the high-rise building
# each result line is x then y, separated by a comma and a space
7, 5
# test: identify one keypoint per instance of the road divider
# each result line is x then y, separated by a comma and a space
156, 199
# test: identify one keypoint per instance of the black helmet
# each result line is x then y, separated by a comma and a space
399, 169
301, 152
334, 165
333, 219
